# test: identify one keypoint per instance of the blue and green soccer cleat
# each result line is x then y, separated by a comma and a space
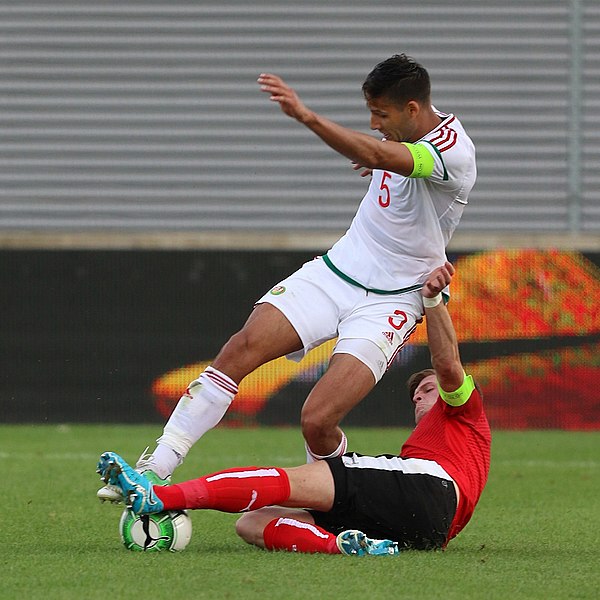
113, 494
135, 487
355, 543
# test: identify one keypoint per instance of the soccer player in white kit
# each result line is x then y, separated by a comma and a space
365, 289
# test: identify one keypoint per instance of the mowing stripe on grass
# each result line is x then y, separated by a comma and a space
534, 464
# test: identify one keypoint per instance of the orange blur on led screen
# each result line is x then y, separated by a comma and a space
496, 297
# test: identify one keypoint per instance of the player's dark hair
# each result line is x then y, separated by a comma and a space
399, 79
415, 379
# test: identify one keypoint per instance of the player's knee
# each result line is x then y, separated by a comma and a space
250, 529
251, 343
316, 425
239, 356
240, 342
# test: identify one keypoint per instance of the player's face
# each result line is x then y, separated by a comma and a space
425, 397
393, 122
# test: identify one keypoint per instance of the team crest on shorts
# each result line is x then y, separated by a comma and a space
389, 335
277, 290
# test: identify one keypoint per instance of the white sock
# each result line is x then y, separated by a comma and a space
311, 457
165, 460
201, 407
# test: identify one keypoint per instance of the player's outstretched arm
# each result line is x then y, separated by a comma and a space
443, 345
361, 148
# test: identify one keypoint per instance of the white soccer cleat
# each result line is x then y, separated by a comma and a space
110, 493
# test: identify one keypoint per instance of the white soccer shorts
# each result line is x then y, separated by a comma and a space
320, 305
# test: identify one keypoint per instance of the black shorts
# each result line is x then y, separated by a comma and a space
388, 497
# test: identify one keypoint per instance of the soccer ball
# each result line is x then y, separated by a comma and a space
170, 530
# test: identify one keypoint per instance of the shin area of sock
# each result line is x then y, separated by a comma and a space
237, 490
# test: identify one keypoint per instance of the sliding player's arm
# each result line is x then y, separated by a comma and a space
454, 385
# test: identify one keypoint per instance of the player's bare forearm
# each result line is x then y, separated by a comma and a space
441, 336
359, 147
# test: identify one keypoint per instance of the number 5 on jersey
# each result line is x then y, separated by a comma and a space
384, 199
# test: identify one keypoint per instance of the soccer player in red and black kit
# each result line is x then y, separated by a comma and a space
357, 504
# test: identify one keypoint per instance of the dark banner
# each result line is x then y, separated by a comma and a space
116, 336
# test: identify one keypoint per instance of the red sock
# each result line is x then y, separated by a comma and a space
234, 490
296, 536
171, 496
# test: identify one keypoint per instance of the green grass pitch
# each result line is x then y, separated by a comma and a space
535, 534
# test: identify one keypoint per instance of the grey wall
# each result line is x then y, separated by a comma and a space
146, 115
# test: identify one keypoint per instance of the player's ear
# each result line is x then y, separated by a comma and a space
412, 108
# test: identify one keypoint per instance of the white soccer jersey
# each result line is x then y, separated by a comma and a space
400, 231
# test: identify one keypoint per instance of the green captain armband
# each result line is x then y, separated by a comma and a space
422, 158
461, 395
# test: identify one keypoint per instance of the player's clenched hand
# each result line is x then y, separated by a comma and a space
438, 280
281, 92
